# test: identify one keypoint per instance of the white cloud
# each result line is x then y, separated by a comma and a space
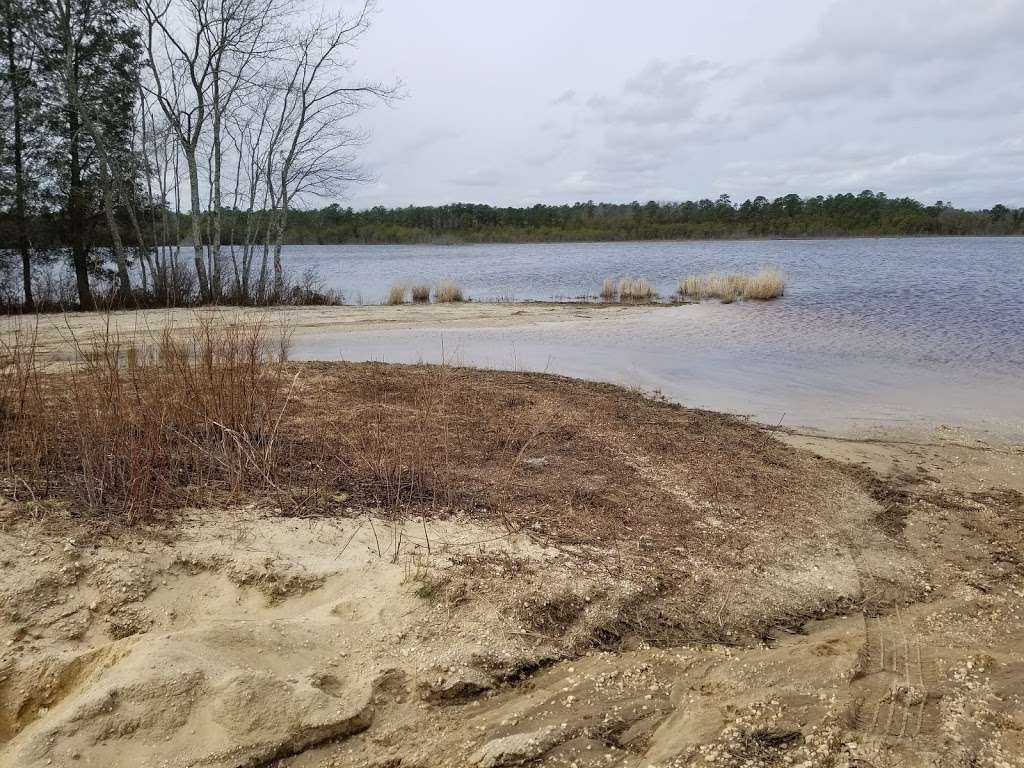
903, 96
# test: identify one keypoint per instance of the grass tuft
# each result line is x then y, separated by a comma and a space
448, 292
608, 290
728, 287
396, 294
635, 290
765, 284
420, 293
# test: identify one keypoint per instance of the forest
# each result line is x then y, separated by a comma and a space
130, 128
791, 216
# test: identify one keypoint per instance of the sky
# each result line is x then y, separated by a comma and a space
555, 101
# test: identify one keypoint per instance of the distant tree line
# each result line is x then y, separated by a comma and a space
129, 128
791, 216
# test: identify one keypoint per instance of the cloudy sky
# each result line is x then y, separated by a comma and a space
542, 101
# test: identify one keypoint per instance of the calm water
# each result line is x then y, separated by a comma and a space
870, 332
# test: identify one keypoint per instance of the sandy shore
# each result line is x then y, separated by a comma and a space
56, 332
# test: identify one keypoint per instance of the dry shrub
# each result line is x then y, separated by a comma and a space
728, 287
396, 294
608, 289
128, 430
448, 292
420, 293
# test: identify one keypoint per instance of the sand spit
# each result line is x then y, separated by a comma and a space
650, 586
56, 333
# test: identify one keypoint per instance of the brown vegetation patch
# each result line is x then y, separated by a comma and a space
703, 521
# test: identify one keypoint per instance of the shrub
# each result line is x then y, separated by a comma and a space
420, 293
130, 429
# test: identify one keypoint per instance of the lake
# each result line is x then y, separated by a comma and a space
871, 332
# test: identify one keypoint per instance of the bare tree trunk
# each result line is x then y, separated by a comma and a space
215, 192
197, 230
124, 290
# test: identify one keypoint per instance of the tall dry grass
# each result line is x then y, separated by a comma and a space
765, 284
420, 293
730, 286
128, 428
609, 291
448, 292
396, 294
635, 289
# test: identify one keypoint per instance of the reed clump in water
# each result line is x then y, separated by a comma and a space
728, 287
448, 292
765, 284
609, 291
396, 294
635, 289
420, 293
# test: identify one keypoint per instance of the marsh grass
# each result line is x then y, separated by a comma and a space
636, 290
609, 291
448, 292
731, 286
420, 293
765, 284
396, 294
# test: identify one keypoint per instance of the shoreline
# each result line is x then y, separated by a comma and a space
56, 329
603, 342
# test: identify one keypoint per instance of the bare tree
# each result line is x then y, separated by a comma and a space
180, 80
311, 146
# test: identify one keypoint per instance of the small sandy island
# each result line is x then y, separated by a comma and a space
457, 567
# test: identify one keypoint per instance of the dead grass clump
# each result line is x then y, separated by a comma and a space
765, 284
635, 290
608, 290
420, 293
396, 294
448, 292
128, 430
730, 286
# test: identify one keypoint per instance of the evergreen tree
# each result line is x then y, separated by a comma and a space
88, 52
